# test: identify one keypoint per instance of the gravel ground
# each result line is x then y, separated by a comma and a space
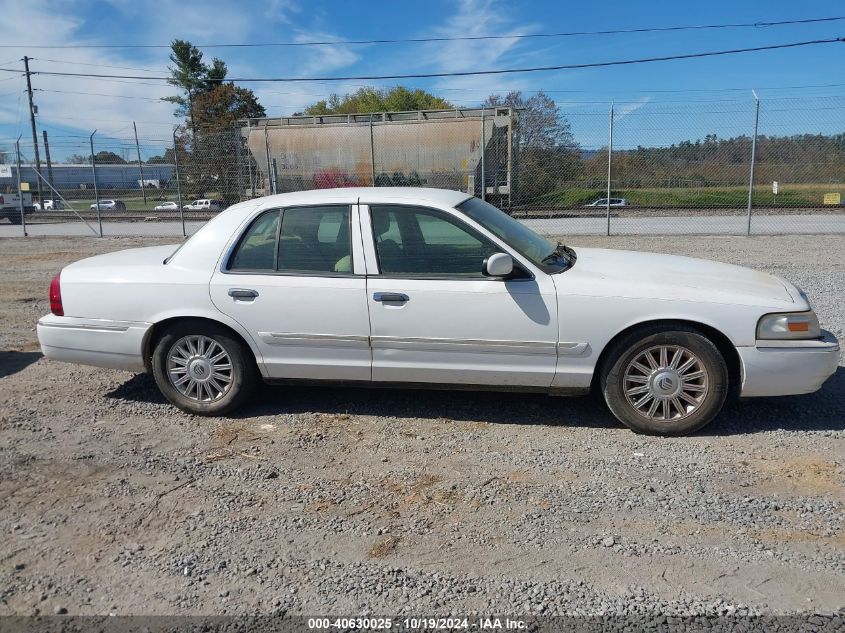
347, 501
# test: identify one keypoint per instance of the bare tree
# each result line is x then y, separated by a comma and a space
549, 157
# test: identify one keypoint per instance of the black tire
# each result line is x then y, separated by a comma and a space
15, 218
244, 373
630, 348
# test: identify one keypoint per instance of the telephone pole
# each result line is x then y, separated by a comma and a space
34, 132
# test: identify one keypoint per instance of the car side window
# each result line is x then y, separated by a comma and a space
257, 248
315, 240
415, 241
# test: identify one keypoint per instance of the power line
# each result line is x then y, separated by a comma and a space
134, 83
657, 29
97, 94
75, 63
565, 103
643, 60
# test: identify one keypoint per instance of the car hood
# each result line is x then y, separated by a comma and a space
653, 275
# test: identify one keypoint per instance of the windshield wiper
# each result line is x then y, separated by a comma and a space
561, 251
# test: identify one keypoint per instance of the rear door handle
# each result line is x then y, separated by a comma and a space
243, 293
390, 296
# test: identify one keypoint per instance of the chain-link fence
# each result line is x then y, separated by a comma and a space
733, 166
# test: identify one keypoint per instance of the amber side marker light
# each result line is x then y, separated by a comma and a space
799, 326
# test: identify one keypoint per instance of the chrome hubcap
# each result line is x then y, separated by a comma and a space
666, 382
199, 368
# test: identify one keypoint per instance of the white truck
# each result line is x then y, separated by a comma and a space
10, 206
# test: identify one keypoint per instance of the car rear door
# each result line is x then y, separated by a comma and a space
435, 318
295, 280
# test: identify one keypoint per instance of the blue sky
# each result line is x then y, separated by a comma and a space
656, 103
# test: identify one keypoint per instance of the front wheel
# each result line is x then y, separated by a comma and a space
202, 369
669, 382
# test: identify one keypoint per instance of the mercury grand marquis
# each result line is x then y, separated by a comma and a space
427, 287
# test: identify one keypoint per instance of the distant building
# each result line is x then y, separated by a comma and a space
70, 180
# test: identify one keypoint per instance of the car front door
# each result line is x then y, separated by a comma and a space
295, 280
435, 318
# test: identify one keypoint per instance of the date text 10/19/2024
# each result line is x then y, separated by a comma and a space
443, 624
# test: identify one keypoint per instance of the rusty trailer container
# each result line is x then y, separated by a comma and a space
453, 149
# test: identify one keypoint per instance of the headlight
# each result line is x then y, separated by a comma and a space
790, 325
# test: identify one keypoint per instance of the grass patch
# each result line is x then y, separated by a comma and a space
789, 195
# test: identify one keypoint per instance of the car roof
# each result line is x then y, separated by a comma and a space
366, 195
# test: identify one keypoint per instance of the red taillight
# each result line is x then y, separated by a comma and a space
56, 296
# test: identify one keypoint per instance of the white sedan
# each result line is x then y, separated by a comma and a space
427, 287
166, 206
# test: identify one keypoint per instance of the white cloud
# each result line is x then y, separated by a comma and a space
475, 18
624, 109
58, 99
110, 106
201, 21
281, 10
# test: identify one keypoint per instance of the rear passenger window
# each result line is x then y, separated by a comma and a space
257, 249
315, 240
311, 240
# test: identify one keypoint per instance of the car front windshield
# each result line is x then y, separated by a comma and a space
548, 256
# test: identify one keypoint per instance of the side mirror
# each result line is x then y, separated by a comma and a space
497, 265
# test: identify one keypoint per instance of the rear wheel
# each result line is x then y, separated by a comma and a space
665, 381
202, 369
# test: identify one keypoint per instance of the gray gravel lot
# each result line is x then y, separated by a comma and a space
346, 501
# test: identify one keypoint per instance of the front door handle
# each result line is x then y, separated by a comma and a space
390, 296
244, 294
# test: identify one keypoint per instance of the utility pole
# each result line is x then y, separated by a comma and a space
32, 122
49, 170
140, 164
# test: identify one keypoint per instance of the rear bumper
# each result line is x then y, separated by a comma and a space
786, 368
98, 342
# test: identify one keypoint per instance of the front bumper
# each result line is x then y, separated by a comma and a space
786, 368
98, 342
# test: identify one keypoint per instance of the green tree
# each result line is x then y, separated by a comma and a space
194, 77
109, 158
224, 105
370, 99
217, 146
211, 145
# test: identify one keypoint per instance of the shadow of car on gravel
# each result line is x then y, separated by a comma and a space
11, 362
823, 410
820, 411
